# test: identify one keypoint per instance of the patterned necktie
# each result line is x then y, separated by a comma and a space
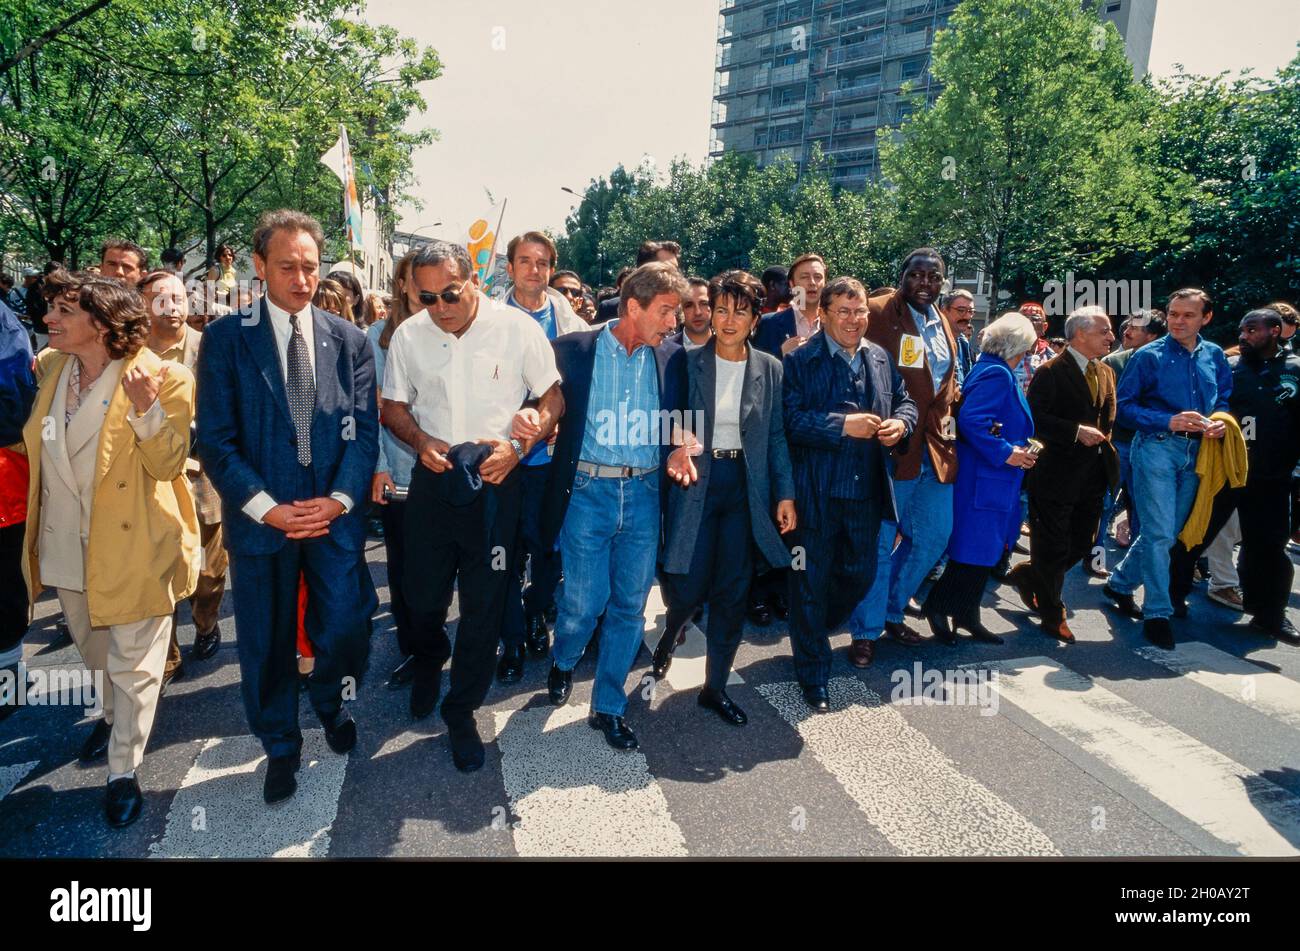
1094, 383
301, 389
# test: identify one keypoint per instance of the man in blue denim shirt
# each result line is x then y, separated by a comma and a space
1167, 393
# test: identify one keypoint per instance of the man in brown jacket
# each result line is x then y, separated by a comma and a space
1072, 397
906, 322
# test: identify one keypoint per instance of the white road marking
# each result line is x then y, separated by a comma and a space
1220, 795
574, 795
907, 788
11, 776
687, 670
218, 811
1266, 691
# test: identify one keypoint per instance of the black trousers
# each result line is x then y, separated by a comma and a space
721, 570
838, 566
1266, 570
1061, 534
1182, 561
469, 548
13, 589
543, 566
958, 592
394, 518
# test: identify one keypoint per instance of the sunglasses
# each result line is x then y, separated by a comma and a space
429, 298
570, 291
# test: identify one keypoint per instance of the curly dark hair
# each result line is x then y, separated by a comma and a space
117, 310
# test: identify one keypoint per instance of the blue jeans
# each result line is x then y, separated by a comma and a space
925, 522
1164, 488
608, 545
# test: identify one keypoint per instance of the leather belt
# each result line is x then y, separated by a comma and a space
612, 472
727, 453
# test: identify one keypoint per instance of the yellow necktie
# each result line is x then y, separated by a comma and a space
1094, 383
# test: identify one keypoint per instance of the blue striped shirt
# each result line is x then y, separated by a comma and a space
623, 409
937, 355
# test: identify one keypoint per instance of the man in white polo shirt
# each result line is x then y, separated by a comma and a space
457, 373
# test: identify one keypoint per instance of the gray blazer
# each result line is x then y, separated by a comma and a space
767, 461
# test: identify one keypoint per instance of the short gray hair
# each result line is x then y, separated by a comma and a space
948, 299
1009, 336
435, 252
1081, 318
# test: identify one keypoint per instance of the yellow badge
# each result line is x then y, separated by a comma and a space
911, 352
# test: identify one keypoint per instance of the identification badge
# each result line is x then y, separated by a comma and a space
911, 352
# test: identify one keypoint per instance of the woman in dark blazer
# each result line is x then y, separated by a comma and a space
733, 478
993, 427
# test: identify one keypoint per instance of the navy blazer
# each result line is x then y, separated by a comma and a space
814, 425
575, 357
773, 330
246, 439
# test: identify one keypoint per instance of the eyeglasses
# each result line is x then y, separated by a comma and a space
570, 291
845, 313
429, 298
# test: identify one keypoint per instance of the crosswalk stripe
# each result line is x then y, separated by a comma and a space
687, 670
907, 787
218, 811
1268, 692
574, 795
11, 776
1217, 793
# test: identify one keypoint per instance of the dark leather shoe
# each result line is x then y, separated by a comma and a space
779, 608
861, 652
280, 781
1059, 630
662, 658
341, 733
975, 629
62, 636
402, 674
914, 609
466, 747
722, 705
940, 629
1124, 602
177, 673
759, 614
1159, 632
537, 637
205, 645
818, 698
1018, 578
426, 685
1283, 631
616, 730
510, 669
96, 744
559, 685
899, 631
123, 802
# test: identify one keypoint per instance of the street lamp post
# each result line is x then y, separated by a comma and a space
600, 223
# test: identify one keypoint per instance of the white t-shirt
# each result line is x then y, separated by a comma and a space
726, 403
462, 389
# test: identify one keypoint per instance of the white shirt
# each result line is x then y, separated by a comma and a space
726, 403
467, 388
257, 507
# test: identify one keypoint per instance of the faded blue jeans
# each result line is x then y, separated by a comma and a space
925, 522
608, 546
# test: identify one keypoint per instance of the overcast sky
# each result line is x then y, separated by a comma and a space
550, 93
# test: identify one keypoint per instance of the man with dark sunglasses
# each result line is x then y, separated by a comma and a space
456, 375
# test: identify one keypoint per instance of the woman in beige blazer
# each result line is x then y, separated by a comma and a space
111, 523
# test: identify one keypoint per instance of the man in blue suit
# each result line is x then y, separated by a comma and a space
844, 404
288, 434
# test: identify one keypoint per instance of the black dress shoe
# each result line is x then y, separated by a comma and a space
537, 638
759, 614
940, 629
123, 802
466, 747
426, 685
1159, 632
975, 629
178, 673
662, 658
1284, 630
96, 744
402, 674
914, 609
818, 698
617, 733
723, 706
341, 733
205, 645
1127, 606
779, 607
559, 685
62, 637
510, 668
280, 781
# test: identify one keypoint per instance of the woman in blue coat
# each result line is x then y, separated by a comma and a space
993, 427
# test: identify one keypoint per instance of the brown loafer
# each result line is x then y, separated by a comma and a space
900, 632
1059, 630
861, 653
1016, 578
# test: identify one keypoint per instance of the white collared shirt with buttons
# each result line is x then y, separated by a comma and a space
257, 507
467, 388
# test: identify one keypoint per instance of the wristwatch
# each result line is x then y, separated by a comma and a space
517, 446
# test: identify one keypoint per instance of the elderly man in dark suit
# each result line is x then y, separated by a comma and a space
1072, 397
289, 434
844, 405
